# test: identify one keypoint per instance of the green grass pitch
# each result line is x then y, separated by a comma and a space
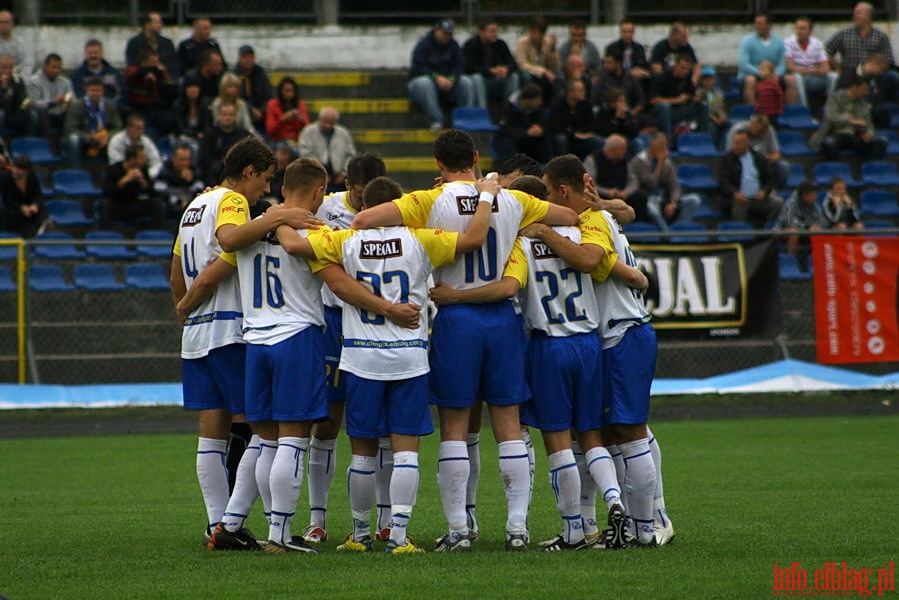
121, 517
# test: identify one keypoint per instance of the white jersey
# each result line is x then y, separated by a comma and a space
337, 213
394, 263
620, 306
558, 299
217, 321
279, 293
451, 207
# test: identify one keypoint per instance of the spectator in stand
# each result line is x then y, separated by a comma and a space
577, 44
286, 114
745, 184
436, 76
190, 50
574, 70
763, 139
94, 65
609, 170
133, 135
13, 45
128, 194
255, 88
839, 208
207, 75
16, 116
806, 62
715, 103
668, 51
51, 93
537, 58
490, 65
150, 39
229, 93
769, 97
675, 101
284, 154
632, 53
757, 48
853, 45
515, 167
191, 116
89, 124
216, 142
871, 71
613, 75
614, 117
179, 182
655, 175
571, 123
523, 126
23, 198
800, 213
847, 125
151, 92
330, 144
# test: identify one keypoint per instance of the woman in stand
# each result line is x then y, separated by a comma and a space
285, 114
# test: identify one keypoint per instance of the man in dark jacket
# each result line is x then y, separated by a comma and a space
94, 65
523, 127
490, 64
128, 193
747, 189
571, 123
255, 88
151, 39
436, 75
216, 142
190, 50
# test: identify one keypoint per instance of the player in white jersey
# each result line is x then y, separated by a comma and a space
338, 211
477, 350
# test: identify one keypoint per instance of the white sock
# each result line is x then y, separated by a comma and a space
588, 492
213, 477
473, 445
602, 470
322, 463
286, 481
452, 478
361, 488
245, 489
267, 451
383, 472
619, 474
403, 492
640, 484
658, 501
532, 461
566, 485
513, 466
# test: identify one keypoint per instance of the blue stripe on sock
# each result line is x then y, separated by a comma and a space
598, 458
405, 466
568, 466
452, 458
637, 455
514, 456
210, 452
358, 472
282, 514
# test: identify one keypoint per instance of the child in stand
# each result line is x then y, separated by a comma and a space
714, 99
769, 97
839, 208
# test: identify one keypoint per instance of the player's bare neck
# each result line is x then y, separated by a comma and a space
450, 176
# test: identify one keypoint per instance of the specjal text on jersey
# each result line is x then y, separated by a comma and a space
468, 204
381, 248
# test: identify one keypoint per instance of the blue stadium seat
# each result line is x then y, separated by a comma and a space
164, 145
892, 140
6, 282
796, 175
35, 148
696, 145
828, 169
735, 227
154, 235
74, 182
880, 224
688, 239
67, 213
108, 252
705, 212
472, 118
736, 89
146, 276
642, 230
696, 177
879, 203
97, 278
741, 112
892, 109
789, 268
797, 116
57, 252
879, 173
792, 143
47, 278
8, 252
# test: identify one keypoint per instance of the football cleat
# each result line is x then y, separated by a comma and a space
222, 539
351, 545
517, 542
409, 548
383, 535
633, 543
616, 534
314, 535
453, 542
559, 544
663, 535
549, 542
296, 544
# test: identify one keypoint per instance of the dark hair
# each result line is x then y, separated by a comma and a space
520, 162
613, 94
51, 57
93, 42
92, 81
577, 24
615, 54
145, 18
365, 167
133, 118
681, 56
764, 15
182, 146
806, 187
22, 162
530, 184
206, 56
285, 81
538, 23
807, 19
835, 180
529, 91
455, 149
856, 79
565, 170
380, 190
305, 174
132, 151
250, 151
485, 22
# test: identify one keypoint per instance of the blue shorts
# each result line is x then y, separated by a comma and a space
377, 408
333, 345
477, 353
286, 381
565, 377
628, 371
216, 380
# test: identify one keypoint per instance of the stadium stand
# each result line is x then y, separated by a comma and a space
97, 278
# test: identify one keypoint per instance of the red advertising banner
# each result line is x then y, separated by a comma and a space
856, 298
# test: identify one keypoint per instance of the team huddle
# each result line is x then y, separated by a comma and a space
539, 316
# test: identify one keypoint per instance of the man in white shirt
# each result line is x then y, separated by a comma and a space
806, 61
